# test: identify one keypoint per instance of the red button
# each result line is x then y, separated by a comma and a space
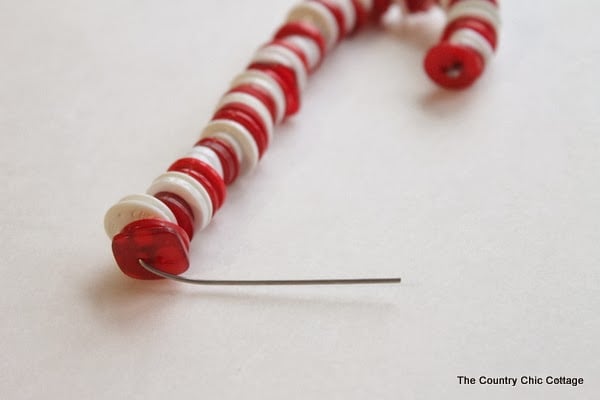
478, 25
415, 6
182, 211
162, 244
261, 94
380, 7
362, 16
453, 66
248, 118
286, 79
227, 156
338, 14
304, 29
206, 176
295, 49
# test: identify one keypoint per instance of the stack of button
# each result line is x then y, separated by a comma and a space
157, 227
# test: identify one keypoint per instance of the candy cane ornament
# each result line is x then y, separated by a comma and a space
467, 43
151, 232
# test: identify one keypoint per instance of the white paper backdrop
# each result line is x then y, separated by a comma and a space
486, 202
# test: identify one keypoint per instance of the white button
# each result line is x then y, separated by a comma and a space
190, 190
277, 54
133, 208
349, 14
319, 16
483, 9
207, 155
239, 134
471, 38
309, 48
262, 79
252, 102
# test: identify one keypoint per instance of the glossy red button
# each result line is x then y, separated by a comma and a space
227, 156
261, 94
478, 25
380, 7
182, 211
415, 6
307, 30
162, 244
248, 118
338, 14
362, 16
293, 48
206, 176
286, 79
452, 66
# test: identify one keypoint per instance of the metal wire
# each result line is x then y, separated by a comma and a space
269, 282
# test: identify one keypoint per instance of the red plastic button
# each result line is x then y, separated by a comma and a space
295, 49
227, 156
162, 244
415, 6
206, 176
255, 125
202, 180
286, 79
182, 211
261, 94
362, 16
338, 14
482, 27
304, 29
453, 66
247, 117
380, 7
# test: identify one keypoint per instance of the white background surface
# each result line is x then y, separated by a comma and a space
486, 202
